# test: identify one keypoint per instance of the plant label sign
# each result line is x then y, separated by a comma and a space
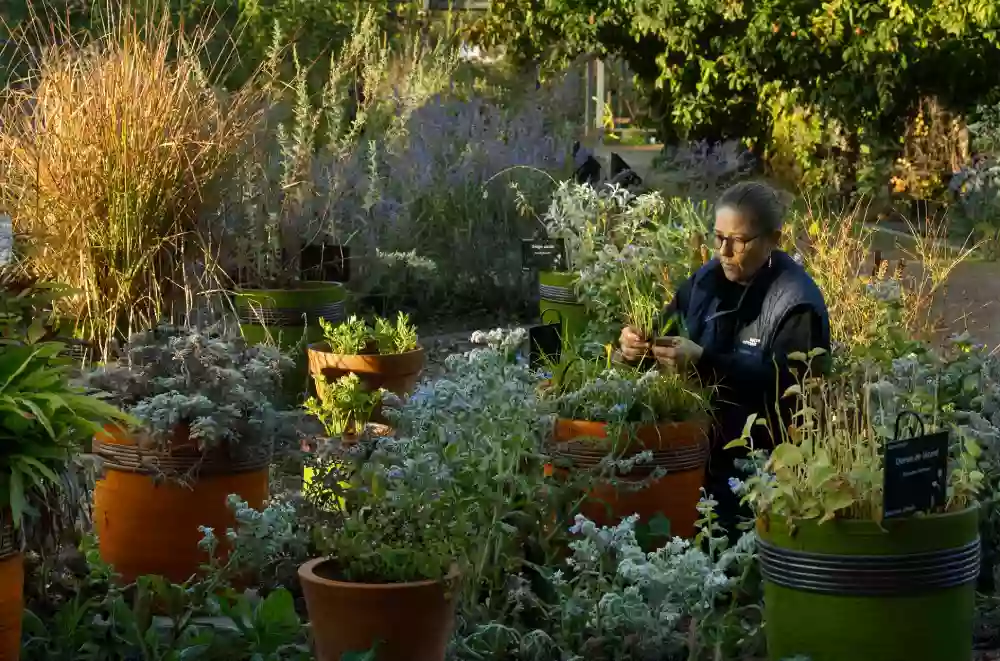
916, 471
543, 254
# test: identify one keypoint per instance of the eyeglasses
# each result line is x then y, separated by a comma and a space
737, 243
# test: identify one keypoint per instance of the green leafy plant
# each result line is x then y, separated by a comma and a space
349, 337
343, 406
156, 619
355, 336
828, 460
44, 419
225, 392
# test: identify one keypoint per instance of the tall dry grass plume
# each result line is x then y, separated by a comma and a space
838, 250
111, 152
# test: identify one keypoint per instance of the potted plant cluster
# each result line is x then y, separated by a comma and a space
384, 354
207, 427
644, 433
45, 421
430, 518
864, 545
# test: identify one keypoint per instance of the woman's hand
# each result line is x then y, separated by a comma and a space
676, 352
633, 346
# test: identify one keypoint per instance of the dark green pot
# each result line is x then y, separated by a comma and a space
558, 303
849, 590
290, 319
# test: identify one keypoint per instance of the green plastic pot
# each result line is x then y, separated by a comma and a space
289, 317
558, 302
850, 590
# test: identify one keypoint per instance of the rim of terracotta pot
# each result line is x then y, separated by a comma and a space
702, 422
307, 572
323, 347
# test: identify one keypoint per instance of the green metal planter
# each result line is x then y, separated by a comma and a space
850, 590
558, 302
284, 316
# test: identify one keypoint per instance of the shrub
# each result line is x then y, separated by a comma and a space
414, 176
715, 70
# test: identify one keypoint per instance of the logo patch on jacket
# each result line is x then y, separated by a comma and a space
752, 341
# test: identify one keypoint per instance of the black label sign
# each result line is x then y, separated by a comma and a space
326, 263
543, 254
916, 471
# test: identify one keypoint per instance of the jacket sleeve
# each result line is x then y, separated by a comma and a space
799, 332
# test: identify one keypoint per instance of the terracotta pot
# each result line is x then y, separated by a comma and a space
411, 621
147, 525
11, 597
398, 372
681, 448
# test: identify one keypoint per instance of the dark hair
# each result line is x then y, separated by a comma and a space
758, 201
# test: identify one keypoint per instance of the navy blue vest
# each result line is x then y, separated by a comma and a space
778, 290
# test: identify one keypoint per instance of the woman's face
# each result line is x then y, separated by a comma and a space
742, 249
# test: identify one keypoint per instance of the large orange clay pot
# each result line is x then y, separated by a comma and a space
149, 525
411, 621
11, 596
397, 372
680, 448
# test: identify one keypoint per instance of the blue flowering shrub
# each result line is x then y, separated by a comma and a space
415, 175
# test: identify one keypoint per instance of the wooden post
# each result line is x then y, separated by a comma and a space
586, 98
599, 95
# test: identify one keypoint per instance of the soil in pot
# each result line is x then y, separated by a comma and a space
149, 525
411, 621
680, 448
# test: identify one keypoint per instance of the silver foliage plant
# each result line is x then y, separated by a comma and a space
471, 447
224, 390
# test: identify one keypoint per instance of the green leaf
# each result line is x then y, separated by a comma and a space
42, 468
787, 455
16, 496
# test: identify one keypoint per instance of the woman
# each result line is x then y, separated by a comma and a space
744, 312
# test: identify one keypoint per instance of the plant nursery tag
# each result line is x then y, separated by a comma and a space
326, 263
916, 472
545, 345
543, 254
